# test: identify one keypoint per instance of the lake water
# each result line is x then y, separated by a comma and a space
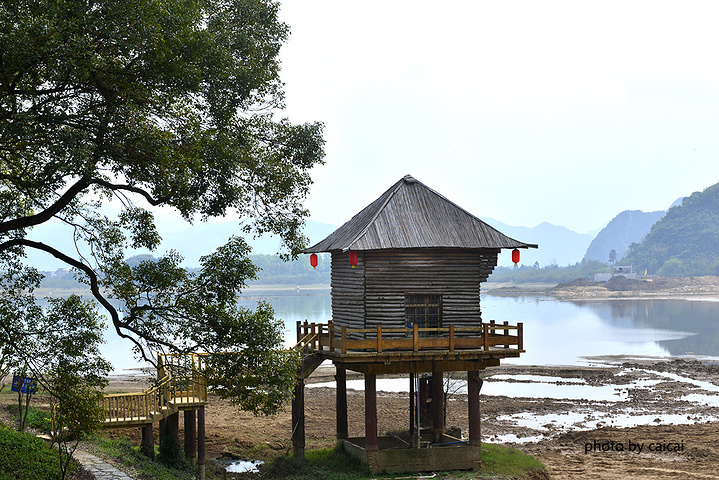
556, 332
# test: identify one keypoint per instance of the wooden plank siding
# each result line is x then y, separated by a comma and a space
348, 290
373, 293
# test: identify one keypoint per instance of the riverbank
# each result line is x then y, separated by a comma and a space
705, 287
670, 406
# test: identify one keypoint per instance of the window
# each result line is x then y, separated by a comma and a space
425, 311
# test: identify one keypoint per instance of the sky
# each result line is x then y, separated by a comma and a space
523, 111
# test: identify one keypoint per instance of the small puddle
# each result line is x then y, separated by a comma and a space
242, 466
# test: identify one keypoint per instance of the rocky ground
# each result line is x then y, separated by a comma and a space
623, 418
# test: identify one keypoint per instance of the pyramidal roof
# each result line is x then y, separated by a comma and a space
412, 215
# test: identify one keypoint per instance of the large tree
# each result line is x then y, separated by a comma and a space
153, 103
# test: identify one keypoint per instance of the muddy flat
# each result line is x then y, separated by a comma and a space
615, 418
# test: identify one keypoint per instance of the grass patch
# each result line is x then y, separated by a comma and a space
336, 464
328, 464
36, 418
25, 457
510, 462
125, 453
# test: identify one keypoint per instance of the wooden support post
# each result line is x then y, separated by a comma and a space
173, 427
201, 441
190, 437
474, 385
520, 336
162, 432
331, 335
299, 332
415, 338
485, 334
344, 339
437, 404
506, 333
379, 338
370, 412
148, 442
298, 421
411, 405
341, 378
451, 337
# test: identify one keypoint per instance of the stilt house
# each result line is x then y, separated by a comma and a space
406, 276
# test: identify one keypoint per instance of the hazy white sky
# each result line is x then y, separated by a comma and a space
524, 111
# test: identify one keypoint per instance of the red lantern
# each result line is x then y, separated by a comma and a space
353, 259
515, 256
313, 260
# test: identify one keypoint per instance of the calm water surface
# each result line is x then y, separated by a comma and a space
556, 332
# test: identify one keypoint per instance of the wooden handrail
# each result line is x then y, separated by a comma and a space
486, 336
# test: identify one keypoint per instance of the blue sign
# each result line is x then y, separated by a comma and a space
23, 384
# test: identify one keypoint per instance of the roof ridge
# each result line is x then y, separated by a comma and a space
392, 191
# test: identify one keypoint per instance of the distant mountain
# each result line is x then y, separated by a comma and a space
557, 245
685, 241
626, 228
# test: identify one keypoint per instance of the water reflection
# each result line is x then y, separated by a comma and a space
556, 332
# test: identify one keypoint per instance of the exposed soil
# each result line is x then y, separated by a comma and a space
619, 287
575, 438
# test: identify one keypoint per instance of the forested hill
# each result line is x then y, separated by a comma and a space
685, 241
626, 228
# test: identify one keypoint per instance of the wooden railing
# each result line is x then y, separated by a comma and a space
485, 336
180, 383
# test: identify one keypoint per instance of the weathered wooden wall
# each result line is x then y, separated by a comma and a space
348, 290
373, 293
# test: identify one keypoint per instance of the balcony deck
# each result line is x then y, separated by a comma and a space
411, 350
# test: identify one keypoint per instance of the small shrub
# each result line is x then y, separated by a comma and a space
25, 457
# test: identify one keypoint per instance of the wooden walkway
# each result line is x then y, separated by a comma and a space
180, 386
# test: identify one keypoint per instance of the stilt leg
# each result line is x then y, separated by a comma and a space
298, 421
437, 405
341, 378
201, 441
370, 412
190, 437
474, 385
411, 405
148, 442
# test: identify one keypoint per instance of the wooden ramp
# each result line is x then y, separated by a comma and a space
180, 386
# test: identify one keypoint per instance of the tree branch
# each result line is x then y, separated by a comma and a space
48, 213
94, 288
129, 188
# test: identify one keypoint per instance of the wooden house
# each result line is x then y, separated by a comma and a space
406, 276
420, 260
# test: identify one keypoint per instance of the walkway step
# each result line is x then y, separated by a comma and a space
98, 467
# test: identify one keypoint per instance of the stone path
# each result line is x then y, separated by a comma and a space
98, 467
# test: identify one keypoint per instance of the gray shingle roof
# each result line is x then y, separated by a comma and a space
412, 215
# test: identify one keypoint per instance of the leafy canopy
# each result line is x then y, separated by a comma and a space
154, 103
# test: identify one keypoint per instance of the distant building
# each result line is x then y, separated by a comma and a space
625, 271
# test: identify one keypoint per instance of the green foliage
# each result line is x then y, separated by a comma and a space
330, 464
506, 461
171, 454
25, 457
685, 242
123, 452
254, 377
36, 418
157, 103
